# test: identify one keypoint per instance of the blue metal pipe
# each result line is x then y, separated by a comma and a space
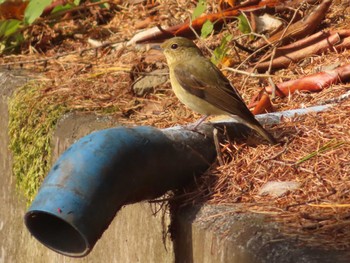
107, 169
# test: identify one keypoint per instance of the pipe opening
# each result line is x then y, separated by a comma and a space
56, 234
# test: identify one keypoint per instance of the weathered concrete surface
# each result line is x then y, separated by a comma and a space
135, 235
213, 234
203, 234
10, 207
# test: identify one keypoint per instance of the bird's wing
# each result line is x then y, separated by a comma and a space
211, 86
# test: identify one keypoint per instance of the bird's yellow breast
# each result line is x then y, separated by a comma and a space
193, 102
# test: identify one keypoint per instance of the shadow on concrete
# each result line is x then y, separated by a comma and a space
188, 202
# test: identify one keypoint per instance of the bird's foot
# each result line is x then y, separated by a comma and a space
199, 122
194, 126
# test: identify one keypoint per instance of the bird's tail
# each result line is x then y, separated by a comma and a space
255, 125
264, 133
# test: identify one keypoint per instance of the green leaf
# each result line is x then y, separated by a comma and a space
207, 28
12, 26
60, 8
104, 5
34, 10
76, 2
10, 35
2, 1
220, 52
331, 145
243, 24
9, 27
200, 8
3, 25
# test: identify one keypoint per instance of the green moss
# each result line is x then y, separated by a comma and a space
32, 119
33, 115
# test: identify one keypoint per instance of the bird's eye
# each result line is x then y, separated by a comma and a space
174, 46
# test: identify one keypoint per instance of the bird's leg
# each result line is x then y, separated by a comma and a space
199, 122
217, 146
196, 124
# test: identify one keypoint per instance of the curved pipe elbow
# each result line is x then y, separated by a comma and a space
105, 170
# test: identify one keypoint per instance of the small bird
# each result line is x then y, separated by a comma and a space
200, 85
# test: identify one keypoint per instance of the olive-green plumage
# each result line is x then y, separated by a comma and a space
200, 85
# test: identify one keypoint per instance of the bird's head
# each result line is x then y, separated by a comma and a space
179, 49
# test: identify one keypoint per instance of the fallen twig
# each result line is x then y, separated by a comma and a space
186, 29
64, 54
313, 83
315, 44
301, 28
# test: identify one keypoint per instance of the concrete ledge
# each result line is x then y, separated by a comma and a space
218, 234
136, 234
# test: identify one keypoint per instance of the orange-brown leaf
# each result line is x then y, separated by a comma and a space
13, 9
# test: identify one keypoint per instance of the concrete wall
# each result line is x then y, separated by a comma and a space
136, 234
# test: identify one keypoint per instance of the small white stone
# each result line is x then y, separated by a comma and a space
278, 188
